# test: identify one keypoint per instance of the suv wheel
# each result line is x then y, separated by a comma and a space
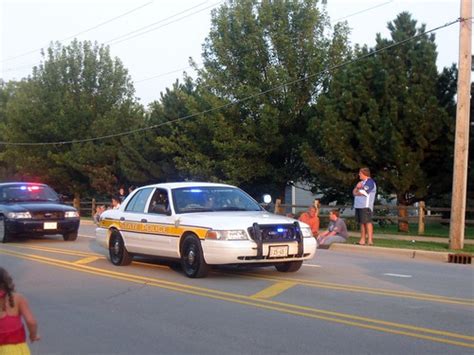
70, 237
4, 236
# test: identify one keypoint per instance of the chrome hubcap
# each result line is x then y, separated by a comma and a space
116, 247
191, 257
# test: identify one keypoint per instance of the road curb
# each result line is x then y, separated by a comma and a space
87, 222
408, 253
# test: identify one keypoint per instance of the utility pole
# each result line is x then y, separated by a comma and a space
461, 142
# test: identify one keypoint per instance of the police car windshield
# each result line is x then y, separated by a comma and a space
26, 193
212, 199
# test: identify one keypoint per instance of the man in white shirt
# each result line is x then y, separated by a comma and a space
364, 197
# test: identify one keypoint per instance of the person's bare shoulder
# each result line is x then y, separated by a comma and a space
18, 297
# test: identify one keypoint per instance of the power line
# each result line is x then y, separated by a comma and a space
336, 20
324, 71
119, 39
127, 36
80, 33
163, 74
182, 12
362, 11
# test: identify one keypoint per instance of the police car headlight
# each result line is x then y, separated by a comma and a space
71, 214
18, 215
306, 232
227, 235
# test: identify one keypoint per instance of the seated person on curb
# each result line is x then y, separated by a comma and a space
337, 230
311, 219
98, 211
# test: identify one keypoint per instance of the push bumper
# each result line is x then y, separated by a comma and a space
248, 252
24, 226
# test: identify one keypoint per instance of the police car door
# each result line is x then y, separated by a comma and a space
133, 217
161, 230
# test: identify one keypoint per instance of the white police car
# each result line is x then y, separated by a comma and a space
203, 224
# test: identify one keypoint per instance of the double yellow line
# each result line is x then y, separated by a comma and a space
285, 283
368, 290
439, 336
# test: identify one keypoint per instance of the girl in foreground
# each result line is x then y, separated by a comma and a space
14, 309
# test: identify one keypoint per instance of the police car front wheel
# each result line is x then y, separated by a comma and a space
192, 258
291, 266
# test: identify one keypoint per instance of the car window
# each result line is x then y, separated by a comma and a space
27, 192
159, 202
212, 199
139, 200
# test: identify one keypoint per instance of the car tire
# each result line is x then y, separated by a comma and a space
192, 258
118, 253
70, 237
4, 236
291, 266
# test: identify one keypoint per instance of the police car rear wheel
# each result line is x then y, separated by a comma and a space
291, 266
119, 255
192, 258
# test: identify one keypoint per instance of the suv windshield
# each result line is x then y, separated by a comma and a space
212, 199
26, 192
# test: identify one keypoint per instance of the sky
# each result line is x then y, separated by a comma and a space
155, 38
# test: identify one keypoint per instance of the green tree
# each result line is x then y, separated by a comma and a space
7, 90
77, 92
264, 57
208, 146
385, 112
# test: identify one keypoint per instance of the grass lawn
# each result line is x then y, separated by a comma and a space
431, 230
406, 244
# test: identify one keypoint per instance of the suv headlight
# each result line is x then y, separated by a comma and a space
227, 235
71, 214
306, 231
18, 215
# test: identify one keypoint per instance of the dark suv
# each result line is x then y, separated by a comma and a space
28, 209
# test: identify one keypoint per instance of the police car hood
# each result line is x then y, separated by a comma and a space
232, 220
43, 206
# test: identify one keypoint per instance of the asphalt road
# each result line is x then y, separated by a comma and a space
338, 303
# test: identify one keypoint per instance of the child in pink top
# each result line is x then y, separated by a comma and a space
14, 309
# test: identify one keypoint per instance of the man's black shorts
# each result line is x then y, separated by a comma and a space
363, 215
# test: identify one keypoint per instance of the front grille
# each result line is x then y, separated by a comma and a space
276, 232
46, 215
267, 258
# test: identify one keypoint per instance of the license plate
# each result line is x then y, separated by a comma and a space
278, 252
50, 225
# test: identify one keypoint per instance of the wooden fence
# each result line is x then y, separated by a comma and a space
87, 207
420, 214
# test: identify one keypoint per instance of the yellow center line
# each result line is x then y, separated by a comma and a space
440, 336
274, 290
317, 284
55, 250
361, 289
88, 260
150, 265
